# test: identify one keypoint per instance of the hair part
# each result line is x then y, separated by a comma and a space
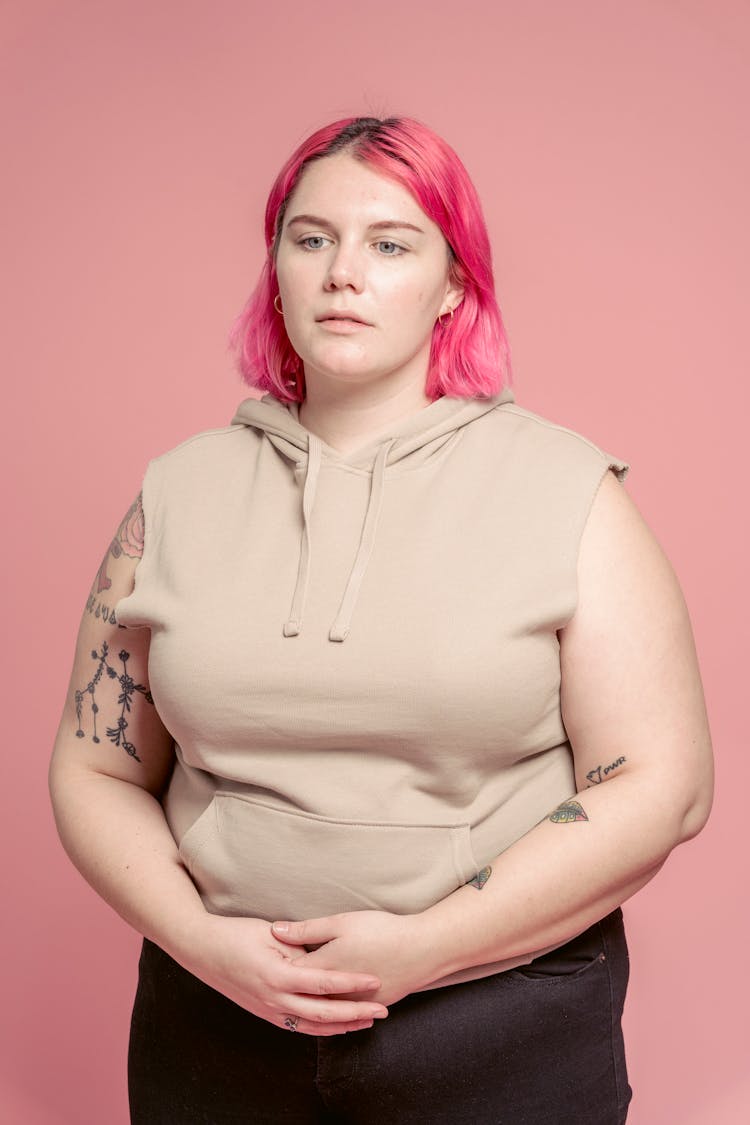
469, 355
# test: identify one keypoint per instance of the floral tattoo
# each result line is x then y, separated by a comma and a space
128, 689
128, 540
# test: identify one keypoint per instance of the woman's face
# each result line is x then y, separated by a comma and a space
355, 242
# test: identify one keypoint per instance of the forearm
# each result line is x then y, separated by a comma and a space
556, 880
117, 836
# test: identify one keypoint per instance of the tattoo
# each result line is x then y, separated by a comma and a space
128, 688
567, 812
597, 776
104, 612
128, 540
480, 878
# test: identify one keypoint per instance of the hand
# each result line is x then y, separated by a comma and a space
392, 947
241, 958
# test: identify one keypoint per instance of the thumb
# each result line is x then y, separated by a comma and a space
313, 931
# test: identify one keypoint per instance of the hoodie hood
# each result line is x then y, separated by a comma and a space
405, 444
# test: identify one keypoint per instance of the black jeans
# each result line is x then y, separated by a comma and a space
538, 1045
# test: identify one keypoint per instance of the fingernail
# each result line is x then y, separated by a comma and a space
280, 927
372, 984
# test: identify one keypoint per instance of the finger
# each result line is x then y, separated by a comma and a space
324, 982
308, 1028
312, 931
323, 1013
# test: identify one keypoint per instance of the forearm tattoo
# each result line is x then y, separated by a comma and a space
128, 541
128, 689
480, 878
568, 812
597, 775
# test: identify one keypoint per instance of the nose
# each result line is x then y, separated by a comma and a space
345, 270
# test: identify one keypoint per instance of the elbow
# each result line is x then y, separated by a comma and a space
696, 816
684, 808
697, 808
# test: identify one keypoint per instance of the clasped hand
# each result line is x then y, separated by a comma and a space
391, 947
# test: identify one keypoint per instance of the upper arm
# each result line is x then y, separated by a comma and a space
631, 686
109, 723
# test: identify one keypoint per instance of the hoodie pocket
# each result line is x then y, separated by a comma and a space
250, 858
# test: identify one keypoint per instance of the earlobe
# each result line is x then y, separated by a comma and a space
450, 306
453, 299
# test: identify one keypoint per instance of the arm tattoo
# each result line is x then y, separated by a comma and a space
597, 776
480, 878
128, 688
567, 813
101, 610
128, 540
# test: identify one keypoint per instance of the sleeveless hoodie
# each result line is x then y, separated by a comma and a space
357, 654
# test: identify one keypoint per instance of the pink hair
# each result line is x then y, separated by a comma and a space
469, 355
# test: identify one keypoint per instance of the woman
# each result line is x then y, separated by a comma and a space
384, 699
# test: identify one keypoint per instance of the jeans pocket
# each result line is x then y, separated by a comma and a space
573, 959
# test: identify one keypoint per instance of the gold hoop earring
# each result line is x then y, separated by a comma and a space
444, 323
277, 298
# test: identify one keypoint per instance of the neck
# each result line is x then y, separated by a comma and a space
348, 421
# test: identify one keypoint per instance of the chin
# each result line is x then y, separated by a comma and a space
343, 372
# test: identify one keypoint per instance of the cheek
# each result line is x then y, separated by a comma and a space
423, 288
295, 272
291, 283
415, 295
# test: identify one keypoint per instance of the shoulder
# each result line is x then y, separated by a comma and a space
543, 439
543, 462
204, 445
206, 456
626, 584
618, 547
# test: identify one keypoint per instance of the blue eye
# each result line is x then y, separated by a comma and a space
317, 241
312, 238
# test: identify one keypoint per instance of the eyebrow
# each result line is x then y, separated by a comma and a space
384, 224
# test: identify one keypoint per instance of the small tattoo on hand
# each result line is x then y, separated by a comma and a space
480, 878
568, 812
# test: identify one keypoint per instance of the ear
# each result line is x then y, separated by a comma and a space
454, 295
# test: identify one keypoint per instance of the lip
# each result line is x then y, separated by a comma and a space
343, 315
343, 327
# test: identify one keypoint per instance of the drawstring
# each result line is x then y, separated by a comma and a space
340, 628
314, 457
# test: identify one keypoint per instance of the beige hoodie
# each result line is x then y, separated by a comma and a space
357, 654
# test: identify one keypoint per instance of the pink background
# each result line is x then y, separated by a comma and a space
608, 142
